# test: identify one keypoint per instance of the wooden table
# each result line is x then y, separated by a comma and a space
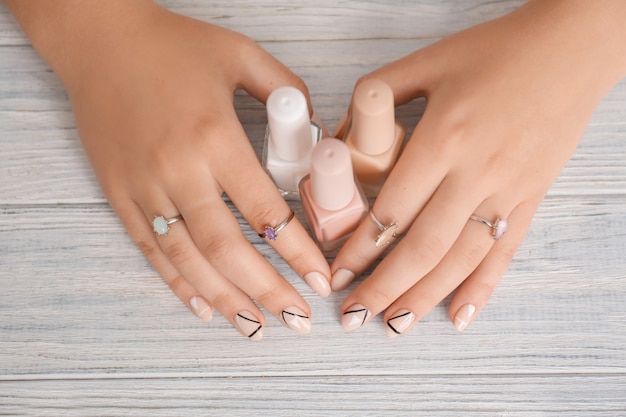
88, 328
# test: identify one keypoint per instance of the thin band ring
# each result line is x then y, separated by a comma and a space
271, 232
498, 228
161, 225
386, 232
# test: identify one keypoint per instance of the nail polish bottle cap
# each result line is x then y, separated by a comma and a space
332, 179
289, 123
373, 118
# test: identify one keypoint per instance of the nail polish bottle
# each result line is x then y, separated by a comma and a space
333, 201
374, 137
289, 138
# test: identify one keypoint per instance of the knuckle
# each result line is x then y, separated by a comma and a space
178, 253
219, 248
149, 249
269, 292
426, 252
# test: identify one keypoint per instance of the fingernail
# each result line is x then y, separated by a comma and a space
248, 325
464, 316
296, 320
399, 323
201, 308
354, 317
341, 279
318, 282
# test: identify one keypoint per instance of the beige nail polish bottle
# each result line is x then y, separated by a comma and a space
332, 199
374, 137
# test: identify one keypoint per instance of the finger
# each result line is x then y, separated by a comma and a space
475, 291
265, 207
218, 236
202, 289
462, 258
414, 179
430, 237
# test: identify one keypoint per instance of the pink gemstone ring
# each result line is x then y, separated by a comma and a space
271, 232
498, 228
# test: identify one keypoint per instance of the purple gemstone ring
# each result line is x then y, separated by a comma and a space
498, 228
271, 232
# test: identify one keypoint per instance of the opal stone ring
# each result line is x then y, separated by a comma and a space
498, 228
386, 232
271, 232
161, 225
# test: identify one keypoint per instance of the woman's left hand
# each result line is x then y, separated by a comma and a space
507, 104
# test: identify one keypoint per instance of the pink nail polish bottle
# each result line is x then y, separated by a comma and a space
289, 138
333, 201
374, 137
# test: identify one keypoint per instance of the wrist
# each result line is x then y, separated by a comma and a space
67, 32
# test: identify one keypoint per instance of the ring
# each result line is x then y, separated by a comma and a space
498, 228
161, 225
386, 232
271, 232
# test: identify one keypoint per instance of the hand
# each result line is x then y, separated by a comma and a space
507, 103
152, 93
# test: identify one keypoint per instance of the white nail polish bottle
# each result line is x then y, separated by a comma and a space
289, 139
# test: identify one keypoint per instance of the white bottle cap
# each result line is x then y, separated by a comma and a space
332, 179
289, 123
373, 119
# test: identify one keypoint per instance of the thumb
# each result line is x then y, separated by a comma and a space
263, 73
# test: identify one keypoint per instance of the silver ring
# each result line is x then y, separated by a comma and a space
386, 232
161, 225
498, 228
271, 232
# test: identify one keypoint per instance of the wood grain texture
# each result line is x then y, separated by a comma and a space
88, 328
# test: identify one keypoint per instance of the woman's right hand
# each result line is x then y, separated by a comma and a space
152, 93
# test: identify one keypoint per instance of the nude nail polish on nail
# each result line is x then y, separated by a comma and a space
374, 137
354, 317
332, 199
248, 325
399, 323
318, 283
464, 316
341, 279
296, 320
289, 138
201, 308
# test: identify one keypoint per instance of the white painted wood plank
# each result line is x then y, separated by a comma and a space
78, 297
325, 19
429, 395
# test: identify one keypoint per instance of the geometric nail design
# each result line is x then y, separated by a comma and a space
464, 316
296, 320
354, 317
248, 325
201, 308
399, 323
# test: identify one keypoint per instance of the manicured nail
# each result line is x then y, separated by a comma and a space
464, 316
399, 323
201, 308
354, 317
318, 282
248, 325
296, 320
341, 279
